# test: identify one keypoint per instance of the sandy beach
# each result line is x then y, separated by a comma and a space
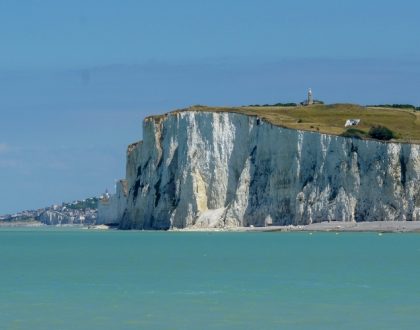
327, 226
332, 226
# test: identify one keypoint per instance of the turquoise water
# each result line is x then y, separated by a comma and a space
80, 279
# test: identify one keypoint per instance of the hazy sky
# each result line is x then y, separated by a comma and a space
77, 77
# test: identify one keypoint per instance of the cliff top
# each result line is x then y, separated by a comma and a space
330, 119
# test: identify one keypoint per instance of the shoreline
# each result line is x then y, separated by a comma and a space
326, 226
37, 224
13, 224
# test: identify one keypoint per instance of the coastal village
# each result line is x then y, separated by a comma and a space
83, 212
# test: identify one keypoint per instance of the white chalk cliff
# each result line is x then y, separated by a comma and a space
219, 169
112, 207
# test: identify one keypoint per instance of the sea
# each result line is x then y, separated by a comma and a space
67, 278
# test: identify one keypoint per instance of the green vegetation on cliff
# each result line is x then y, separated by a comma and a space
89, 203
330, 119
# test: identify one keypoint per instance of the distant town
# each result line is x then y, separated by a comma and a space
80, 212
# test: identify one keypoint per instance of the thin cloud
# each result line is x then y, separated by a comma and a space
9, 163
4, 147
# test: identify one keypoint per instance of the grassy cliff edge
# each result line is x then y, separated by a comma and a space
330, 119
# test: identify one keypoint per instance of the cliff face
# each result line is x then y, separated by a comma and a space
111, 209
210, 169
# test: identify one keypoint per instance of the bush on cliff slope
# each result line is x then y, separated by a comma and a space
381, 133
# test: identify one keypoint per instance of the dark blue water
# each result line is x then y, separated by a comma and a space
80, 279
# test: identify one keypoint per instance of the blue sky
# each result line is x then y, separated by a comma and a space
77, 77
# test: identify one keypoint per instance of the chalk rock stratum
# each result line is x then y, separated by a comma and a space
219, 169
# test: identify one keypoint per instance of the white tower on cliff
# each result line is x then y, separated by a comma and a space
310, 97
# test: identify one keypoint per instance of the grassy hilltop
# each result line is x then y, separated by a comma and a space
330, 119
